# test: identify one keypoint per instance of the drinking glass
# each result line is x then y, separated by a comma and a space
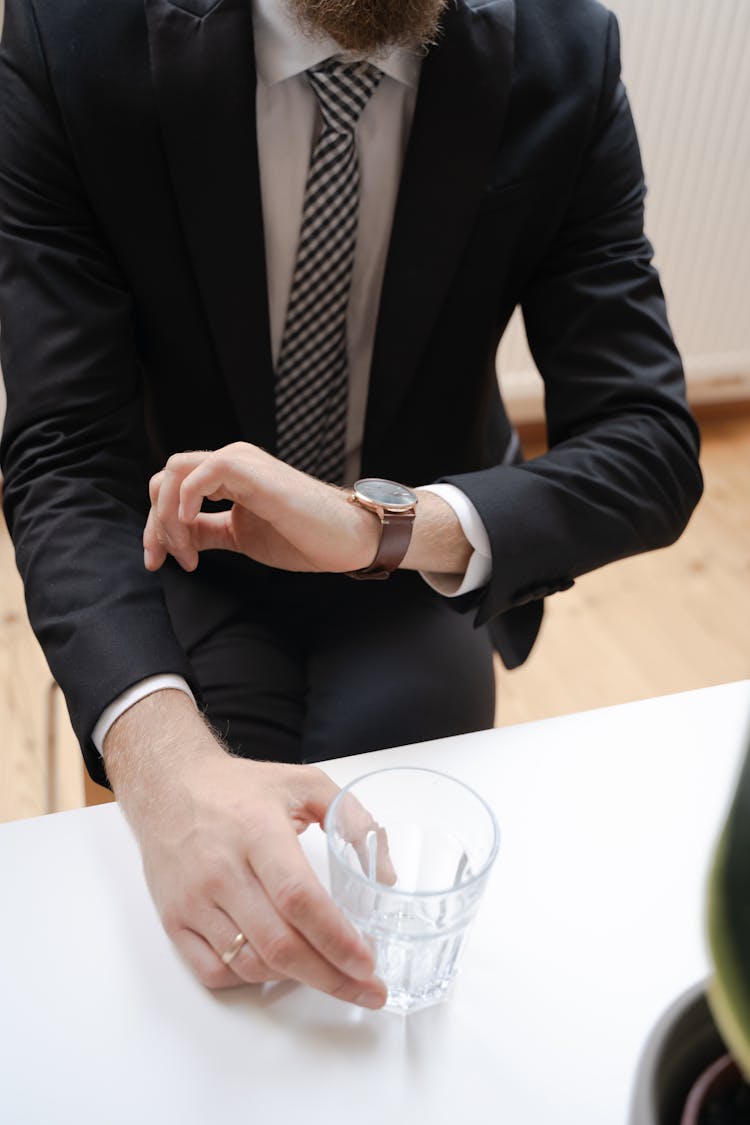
410, 851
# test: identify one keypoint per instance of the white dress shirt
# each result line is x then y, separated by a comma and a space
287, 126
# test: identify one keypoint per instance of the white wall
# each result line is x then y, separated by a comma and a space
686, 64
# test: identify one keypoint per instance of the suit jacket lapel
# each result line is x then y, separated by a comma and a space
461, 105
203, 69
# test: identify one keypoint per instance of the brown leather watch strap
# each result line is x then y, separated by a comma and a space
394, 543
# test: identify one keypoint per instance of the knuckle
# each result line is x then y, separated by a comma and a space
212, 885
174, 462
318, 784
249, 966
293, 897
171, 921
346, 949
344, 989
167, 537
193, 904
315, 774
212, 882
280, 952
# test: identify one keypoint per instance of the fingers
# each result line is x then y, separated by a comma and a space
302, 902
272, 950
281, 517
246, 475
355, 823
207, 963
229, 473
240, 869
154, 552
370, 841
213, 532
175, 535
279, 951
165, 533
221, 932
374, 855
304, 935
204, 961
177, 528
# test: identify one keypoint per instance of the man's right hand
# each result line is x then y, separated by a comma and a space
218, 836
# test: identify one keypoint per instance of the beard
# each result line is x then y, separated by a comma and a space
366, 27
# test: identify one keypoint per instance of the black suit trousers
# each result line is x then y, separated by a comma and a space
320, 666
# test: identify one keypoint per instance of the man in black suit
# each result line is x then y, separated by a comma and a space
139, 259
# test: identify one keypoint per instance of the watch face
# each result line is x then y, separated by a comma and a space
385, 492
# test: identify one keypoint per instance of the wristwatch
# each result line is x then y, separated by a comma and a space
395, 505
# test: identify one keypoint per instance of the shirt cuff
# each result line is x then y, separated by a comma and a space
479, 567
135, 693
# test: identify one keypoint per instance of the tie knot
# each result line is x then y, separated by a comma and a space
343, 89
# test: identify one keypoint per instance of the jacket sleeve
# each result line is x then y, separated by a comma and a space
621, 475
73, 449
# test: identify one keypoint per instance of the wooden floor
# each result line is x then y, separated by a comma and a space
668, 621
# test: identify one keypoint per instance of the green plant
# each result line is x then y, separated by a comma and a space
729, 926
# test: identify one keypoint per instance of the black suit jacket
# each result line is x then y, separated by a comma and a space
134, 308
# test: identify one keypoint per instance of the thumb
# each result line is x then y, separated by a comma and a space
315, 790
212, 531
355, 824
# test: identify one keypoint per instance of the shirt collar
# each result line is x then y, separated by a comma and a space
282, 49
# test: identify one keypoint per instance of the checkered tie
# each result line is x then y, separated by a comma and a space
311, 375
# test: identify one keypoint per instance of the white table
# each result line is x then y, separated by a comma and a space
591, 926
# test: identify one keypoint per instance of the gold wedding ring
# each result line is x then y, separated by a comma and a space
234, 949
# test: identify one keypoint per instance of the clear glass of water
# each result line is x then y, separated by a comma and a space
410, 851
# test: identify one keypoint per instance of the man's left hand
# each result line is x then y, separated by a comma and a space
280, 517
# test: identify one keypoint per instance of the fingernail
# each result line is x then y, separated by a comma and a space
370, 998
146, 557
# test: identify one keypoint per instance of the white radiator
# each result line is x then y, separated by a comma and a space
686, 64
